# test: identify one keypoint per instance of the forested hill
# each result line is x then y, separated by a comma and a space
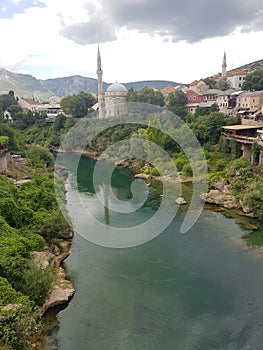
27, 86
249, 67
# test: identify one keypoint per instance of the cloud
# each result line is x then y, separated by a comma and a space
188, 20
97, 30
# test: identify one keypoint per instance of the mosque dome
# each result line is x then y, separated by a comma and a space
116, 87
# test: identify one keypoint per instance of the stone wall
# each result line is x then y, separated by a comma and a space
3, 163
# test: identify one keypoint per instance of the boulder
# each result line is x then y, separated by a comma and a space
180, 201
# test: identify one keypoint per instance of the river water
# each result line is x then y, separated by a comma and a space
197, 291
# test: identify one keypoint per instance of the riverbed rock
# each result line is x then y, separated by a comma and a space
180, 201
61, 292
223, 198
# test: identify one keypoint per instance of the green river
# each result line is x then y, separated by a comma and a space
202, 290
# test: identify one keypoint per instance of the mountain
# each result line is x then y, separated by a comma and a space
71, 85
156, 84
24, 85
27, 86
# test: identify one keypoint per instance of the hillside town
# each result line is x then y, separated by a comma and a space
224, 92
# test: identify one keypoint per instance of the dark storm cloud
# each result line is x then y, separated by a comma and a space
189, 20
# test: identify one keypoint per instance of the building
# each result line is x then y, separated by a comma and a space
226, 101
115, 98
28, 104
167, 90
236, 79
112, 103
193, 100
245, 136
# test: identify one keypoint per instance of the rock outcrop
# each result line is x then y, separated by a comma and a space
220, 194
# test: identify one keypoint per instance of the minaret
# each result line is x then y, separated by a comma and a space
224, 65
101, 103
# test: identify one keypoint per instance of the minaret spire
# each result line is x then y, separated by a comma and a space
101, 104
224, 65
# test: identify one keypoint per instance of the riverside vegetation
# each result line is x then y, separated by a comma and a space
30, 217
30, 222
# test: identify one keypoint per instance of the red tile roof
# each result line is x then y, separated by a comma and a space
31, 101
237, 73
167, 89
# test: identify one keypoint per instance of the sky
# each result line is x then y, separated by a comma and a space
139, 39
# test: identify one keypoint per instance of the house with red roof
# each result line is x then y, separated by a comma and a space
236, 79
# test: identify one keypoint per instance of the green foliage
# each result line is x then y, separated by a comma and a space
235, 148
223, 85
4, 141
210, 82
18, 320
6, 101
25, 211
201, 111
154, 172
39, 156
176, 102
207, 128
254, 81
37, 282
15, 139
255, 150
146, 95
254, 199
187, 170
222, 144
78, 105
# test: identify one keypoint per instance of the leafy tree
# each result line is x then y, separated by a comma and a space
253, 198
254, 81
4, 141
146, 95
223, 85
176, 102
210, 82
59, 122
78, 105
207, 128
6, 101
206, 110
39, 155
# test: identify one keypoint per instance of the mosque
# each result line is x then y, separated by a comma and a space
112, 102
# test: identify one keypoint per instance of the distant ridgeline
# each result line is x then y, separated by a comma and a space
27, 86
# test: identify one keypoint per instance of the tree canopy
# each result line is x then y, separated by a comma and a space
176, 102
78, 105
146, 95
254, 81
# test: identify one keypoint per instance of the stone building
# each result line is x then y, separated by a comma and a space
112, 102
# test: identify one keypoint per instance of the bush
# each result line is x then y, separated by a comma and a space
187, 170
154, 172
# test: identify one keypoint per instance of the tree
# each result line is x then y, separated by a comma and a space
207, 128
6, 101
40, 155
254, 81
78, 105
210, 82
223, 85
146, 95
4, 141
59, 122
206, 110
176, 102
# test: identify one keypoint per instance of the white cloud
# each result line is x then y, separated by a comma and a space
32, 43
